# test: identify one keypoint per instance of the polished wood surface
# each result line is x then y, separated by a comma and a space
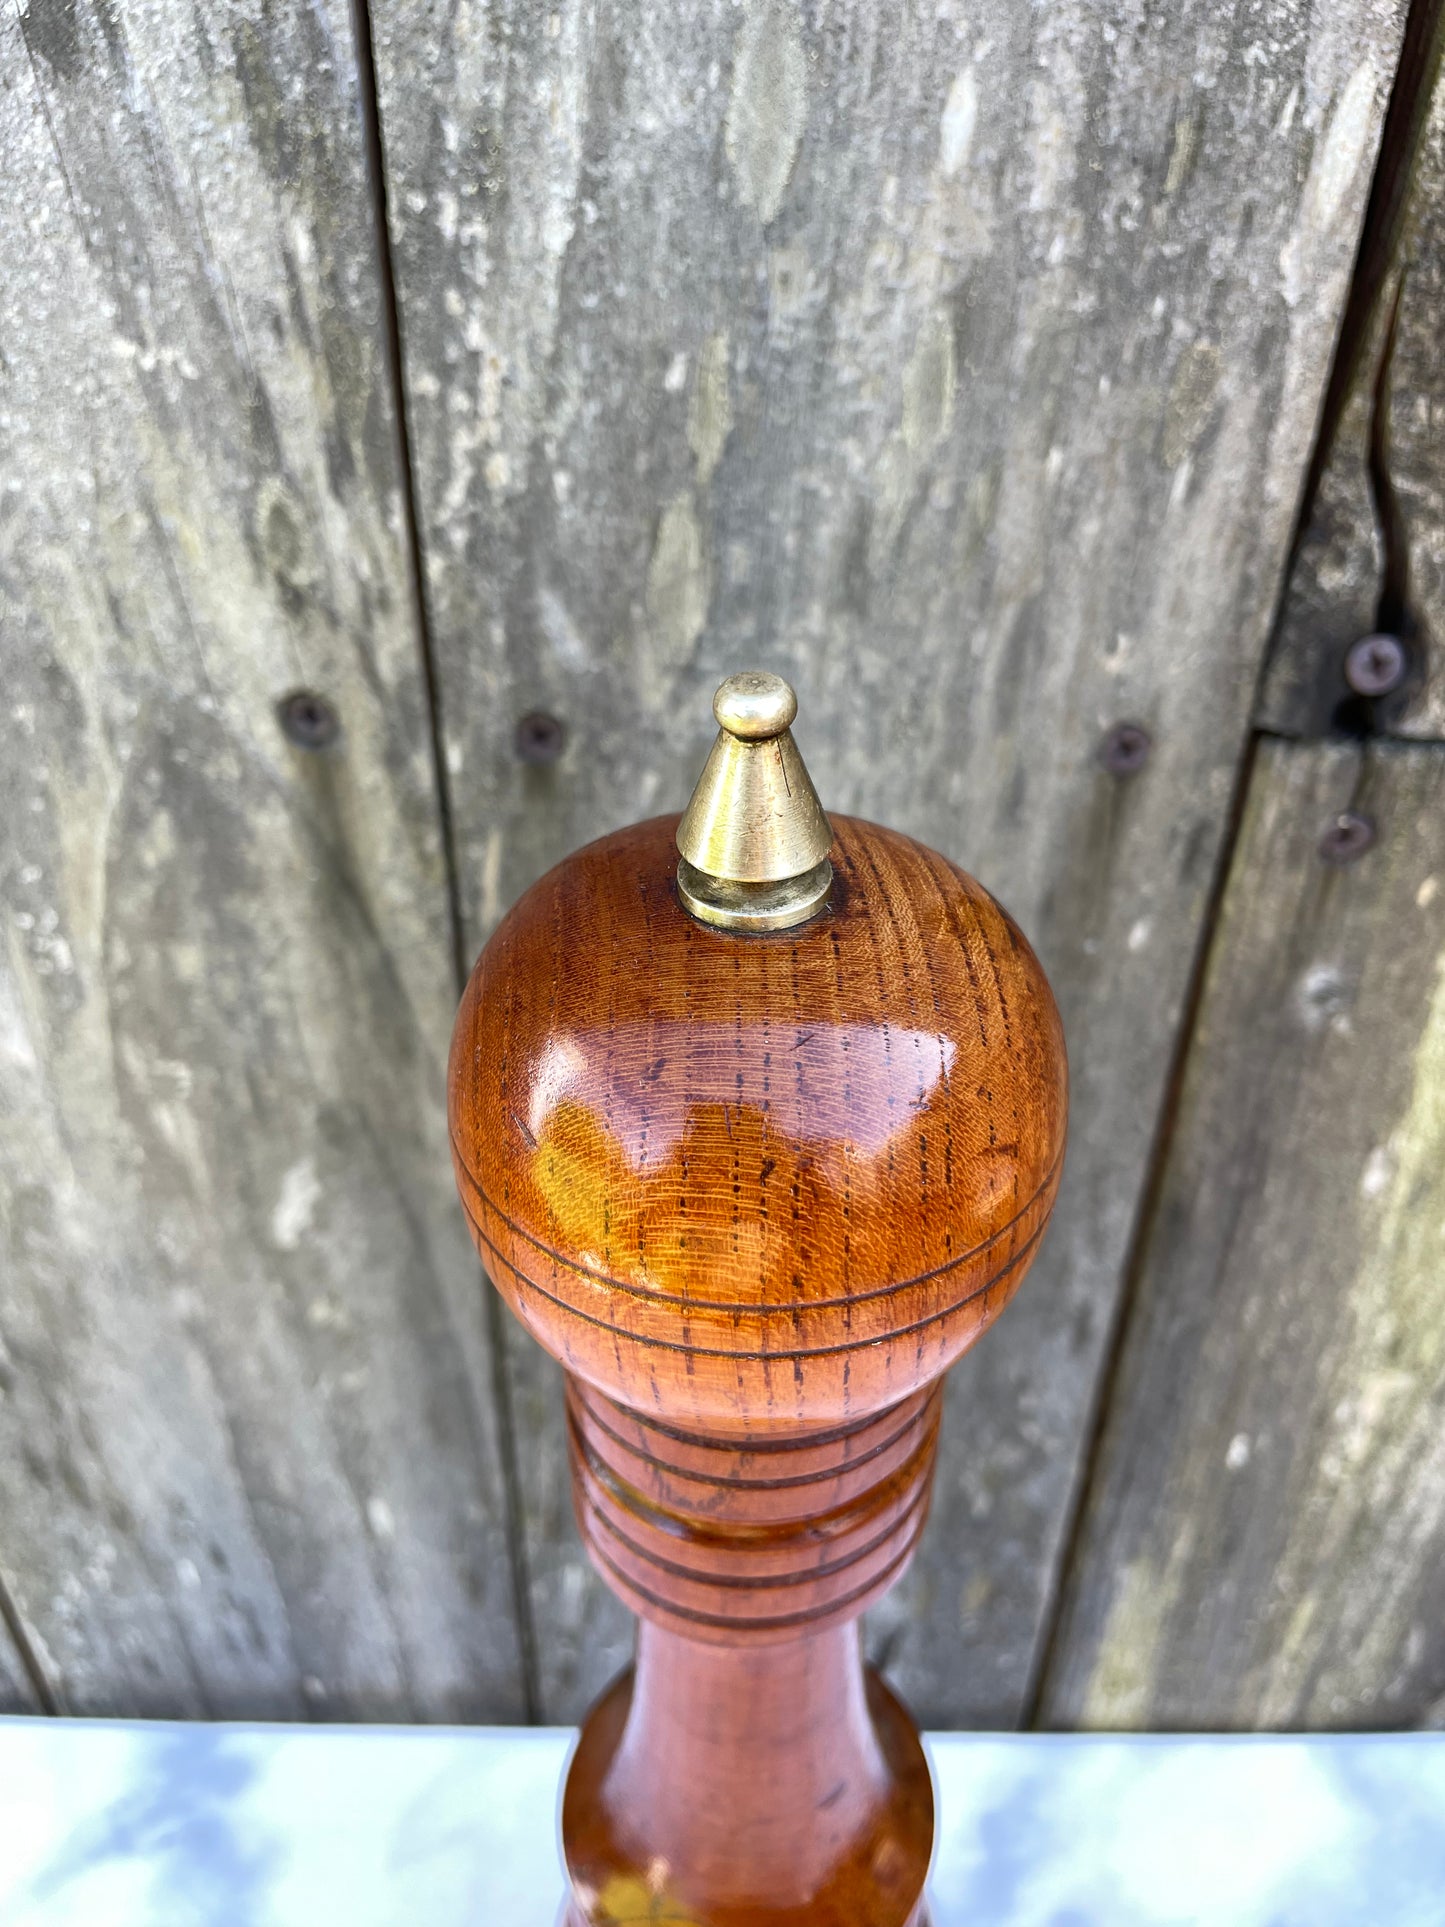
784, 1783
756, 1193
749, 1770
771, 1538
746, 1180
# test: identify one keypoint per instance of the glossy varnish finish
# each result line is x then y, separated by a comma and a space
756, 1193
712, 1172
772, 1538
780, 1784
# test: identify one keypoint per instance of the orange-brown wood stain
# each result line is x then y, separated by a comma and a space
756, 1194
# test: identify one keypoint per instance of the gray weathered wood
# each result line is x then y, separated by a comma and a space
963, 366
1266, 1538
1346, 579
247, 1452
17, 1688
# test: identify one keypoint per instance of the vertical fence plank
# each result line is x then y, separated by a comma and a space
1265, 1537
965, 370
250, 1464
17, 1687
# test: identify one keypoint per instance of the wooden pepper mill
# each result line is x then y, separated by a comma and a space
756, 1143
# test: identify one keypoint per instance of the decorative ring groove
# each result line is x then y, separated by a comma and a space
673, 1301
831, 1522
765, 1358
803, 1441
741, 1582
784, 1622
755, 1485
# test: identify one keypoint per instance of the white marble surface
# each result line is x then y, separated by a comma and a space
116, 1825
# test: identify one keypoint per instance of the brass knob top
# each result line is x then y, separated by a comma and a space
754, 840
754, 705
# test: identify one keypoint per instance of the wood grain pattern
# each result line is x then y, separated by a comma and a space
757, 1193
963, 370
1372, 553
746, 1181
748, 1771
769, 1537
19, 1692
248, 1450
750, 1560
832, 1826
1266, 1540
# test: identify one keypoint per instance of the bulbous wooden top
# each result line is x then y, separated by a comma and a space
745, 1181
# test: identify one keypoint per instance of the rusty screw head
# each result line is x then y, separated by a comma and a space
1348, 837
540, 738
1125, 749
1375, 665
308, 720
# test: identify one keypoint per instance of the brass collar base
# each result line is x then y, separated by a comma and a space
754, 906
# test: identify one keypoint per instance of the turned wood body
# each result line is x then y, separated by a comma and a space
719, 1787
756, 1192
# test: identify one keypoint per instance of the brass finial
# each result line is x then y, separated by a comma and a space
754, 839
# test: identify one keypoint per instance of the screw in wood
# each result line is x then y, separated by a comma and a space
308, 720
1125, 749
1375, 665
539, 738
1347, 837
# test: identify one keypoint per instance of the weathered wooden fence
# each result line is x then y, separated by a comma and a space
503, 375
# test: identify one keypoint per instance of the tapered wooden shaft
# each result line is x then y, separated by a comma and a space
831, 1822
756, 1157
